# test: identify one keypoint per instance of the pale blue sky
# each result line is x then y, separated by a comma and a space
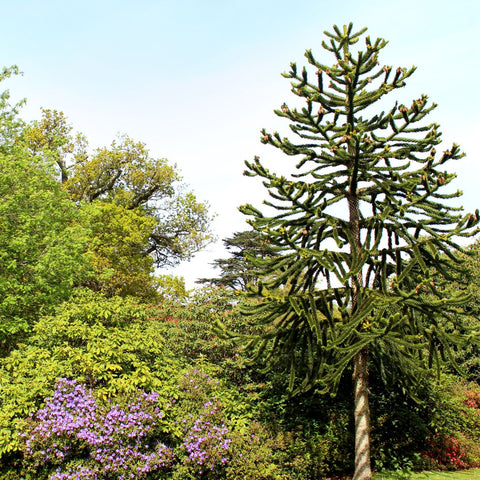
197, 80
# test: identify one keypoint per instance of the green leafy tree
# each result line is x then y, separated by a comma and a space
42, 244
366, 230
125, 174
237, 272
162, 223
52, 138
11, 125
129, 191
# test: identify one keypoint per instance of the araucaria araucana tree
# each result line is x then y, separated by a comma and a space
363, 230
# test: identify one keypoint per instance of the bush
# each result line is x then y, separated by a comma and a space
107, 343
75, 435
454, 440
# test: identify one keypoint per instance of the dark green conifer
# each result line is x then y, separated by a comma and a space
365, 227
237, 271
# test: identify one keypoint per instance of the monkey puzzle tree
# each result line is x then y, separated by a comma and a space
363, 229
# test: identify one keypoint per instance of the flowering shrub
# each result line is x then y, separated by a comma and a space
75, 437
446, 452
202, 427
206, 443
84, 440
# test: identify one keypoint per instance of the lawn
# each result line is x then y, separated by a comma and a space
460, 475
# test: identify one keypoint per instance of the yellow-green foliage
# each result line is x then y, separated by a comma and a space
107, 343
139, 211
117, 250
171, 287
126, 175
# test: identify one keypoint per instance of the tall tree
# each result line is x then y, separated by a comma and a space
366, 230
237, 272
126, 175
42, 245
141, 215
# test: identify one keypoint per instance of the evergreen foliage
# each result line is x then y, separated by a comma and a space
237, 272
365, 230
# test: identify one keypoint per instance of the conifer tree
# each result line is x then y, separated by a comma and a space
237, 272
364, 231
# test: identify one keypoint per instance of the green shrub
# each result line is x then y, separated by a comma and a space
455, 427
106, 343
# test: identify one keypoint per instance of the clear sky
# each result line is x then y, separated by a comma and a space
197, 80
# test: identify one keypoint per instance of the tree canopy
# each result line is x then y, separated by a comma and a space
73, 217
42, 254
126, 174
141, 216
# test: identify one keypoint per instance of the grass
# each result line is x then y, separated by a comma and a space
460, 475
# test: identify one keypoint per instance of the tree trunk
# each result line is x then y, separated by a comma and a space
63, 169
362, 417
360, 363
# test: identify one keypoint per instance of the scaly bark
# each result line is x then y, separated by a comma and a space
363, 469
362, 417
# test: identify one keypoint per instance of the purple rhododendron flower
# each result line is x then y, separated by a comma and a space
77, 438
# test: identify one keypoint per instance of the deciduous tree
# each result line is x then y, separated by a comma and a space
167, 221
42, 244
